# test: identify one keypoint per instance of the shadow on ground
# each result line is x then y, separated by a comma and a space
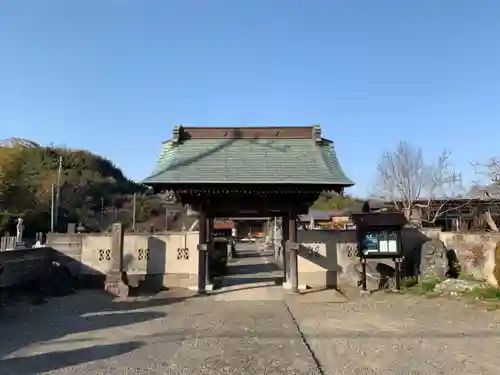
23, 324
247, 269
249, 280
342, 335
47, 362
245, 254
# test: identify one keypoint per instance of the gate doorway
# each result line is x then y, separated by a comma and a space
249, 172
252, 266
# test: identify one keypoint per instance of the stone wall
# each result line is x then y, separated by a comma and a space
475, 251
328, 257
23, 266
169, 258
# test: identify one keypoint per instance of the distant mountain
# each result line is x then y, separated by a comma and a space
18, 142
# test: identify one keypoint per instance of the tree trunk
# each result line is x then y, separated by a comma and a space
490, 222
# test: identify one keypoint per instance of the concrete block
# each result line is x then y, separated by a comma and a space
118, 289
208, 287
288, 286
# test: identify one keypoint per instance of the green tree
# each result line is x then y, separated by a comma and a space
333, 201
28, 173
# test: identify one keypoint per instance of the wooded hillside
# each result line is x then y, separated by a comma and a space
88, 182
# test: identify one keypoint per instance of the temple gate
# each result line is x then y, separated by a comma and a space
248, 172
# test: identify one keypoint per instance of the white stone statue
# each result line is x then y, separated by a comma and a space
20, 230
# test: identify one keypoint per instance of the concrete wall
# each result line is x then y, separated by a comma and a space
170, 258
69, 250
328, 257
23, 266
325, 256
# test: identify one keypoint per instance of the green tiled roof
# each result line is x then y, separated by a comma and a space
248, 161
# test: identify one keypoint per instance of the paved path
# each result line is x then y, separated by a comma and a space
231, 333
252, 275
88, 334
400, 334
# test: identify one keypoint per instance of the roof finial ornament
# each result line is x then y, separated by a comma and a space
176, 133
366, 207
317, 133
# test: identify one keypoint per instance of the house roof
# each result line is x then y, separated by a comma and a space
223, 225
484, 192
248, 155
324, 215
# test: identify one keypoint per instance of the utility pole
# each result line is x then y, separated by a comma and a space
102, 212
134, 212
58, 191
52, 207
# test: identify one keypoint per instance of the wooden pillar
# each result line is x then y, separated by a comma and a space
275, 243
210, 249
363, 274
293, 249
229, 250
202, 252
397, 267
284, 253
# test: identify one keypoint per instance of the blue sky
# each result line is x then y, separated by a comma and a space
114, 76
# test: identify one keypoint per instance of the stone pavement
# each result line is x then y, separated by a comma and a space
265, 331
88, 334
251, 276
401, 334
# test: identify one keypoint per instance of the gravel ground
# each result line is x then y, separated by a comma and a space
249, 329
401, 334
87, 334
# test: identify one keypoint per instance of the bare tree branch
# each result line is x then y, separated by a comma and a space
409, 182
401, 174
491, 170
